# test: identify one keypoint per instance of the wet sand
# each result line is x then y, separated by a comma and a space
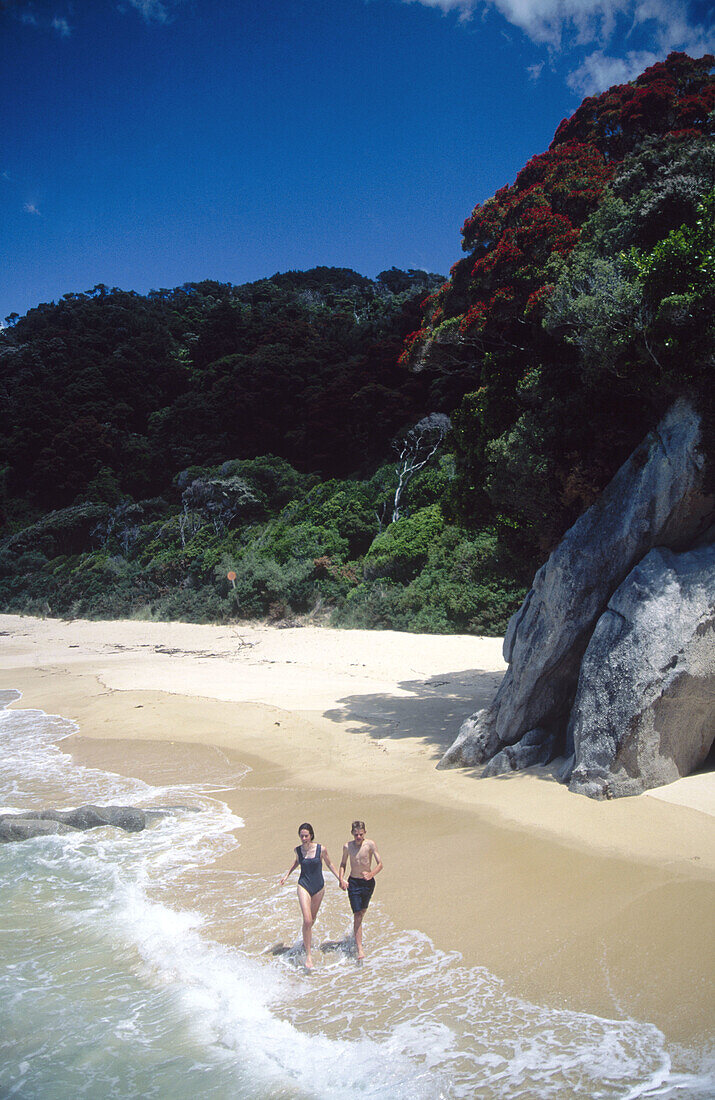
600, 907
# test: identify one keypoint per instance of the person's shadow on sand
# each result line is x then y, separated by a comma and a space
433, 711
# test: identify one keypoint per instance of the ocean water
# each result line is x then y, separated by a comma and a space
115, 982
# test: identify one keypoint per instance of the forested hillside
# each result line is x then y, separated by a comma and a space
399, 452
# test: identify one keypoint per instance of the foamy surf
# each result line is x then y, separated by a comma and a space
112, 983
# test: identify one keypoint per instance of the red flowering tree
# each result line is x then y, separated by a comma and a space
512, 236
675, 94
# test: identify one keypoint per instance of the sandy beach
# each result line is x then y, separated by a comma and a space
604, 908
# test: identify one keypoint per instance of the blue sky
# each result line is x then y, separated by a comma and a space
147, 143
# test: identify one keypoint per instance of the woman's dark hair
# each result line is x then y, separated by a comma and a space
309, 827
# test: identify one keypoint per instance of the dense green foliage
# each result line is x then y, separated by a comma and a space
212, 429
130, 389
584, 306
256, 538
283, 448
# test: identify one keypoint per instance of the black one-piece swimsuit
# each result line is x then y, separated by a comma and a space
311, 871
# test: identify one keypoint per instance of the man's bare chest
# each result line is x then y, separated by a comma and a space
360, 856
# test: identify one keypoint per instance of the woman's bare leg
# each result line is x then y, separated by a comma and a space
309, 907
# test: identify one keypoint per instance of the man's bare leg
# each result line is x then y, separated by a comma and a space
357, 930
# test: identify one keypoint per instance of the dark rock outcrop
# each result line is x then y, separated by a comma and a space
23, 826
19, 827
656, 499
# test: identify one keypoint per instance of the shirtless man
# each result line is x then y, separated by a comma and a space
361, 882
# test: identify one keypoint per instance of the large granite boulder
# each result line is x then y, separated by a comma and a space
644, 712
657, 498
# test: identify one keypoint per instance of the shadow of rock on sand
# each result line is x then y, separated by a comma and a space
432, 712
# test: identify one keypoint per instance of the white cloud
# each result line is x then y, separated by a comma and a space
30, 208
598, 71
61, 26
545, 21
44, 14
465, 8
549, 21
664, 26
36, 14
155, 11
588, 21
647, 30
535, 70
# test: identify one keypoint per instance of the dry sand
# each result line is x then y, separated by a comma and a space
601, 907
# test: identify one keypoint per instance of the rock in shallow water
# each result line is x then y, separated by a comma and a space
18, 827
23, 826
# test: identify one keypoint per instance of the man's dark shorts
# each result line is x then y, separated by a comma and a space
359, 892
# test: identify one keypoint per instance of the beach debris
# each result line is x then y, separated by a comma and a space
581, 651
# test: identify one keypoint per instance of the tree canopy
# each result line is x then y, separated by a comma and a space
583, 306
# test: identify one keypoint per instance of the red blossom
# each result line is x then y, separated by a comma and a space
670, 95
410, 341
512, 235
474, 318
536, 301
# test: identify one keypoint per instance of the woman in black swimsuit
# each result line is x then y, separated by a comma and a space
311, 885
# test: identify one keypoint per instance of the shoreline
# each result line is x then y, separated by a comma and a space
599, 907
